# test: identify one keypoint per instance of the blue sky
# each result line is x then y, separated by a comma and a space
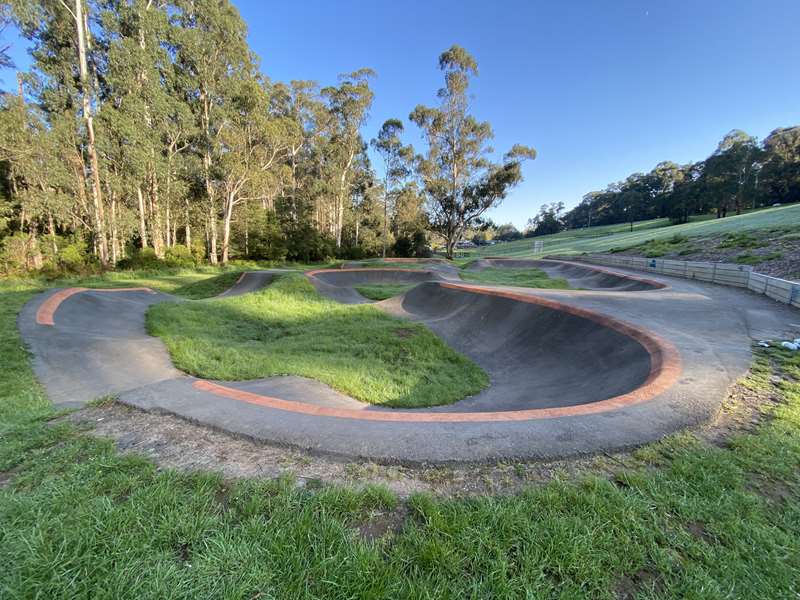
601, 88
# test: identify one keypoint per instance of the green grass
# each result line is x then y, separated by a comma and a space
683, 519
289, 329
662, 246
382, 291
535, 278
604, 238
740, 240
757, 259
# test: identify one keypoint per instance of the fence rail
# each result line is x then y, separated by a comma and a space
781, 290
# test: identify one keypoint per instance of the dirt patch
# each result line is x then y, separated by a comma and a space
778, 493
698, 530
381, 525
405, 332
629, 586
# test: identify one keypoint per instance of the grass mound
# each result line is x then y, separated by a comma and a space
289, 329
534, 278
382, 291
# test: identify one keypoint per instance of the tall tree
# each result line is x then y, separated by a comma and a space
396, 157
459, 179
348, 107
214, 59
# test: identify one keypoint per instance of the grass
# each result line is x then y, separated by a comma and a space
289, 329
757, 259
660, 247
535, 278
382, 291
679, 519
606, 237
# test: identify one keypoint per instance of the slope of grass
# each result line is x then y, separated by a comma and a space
382, 291
604, 238
681, 519
289, 329
534, 278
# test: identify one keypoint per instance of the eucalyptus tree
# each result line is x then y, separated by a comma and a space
460, 180
65, 60
396, 161
253, 143
780, 176
348, 107
729, 170
213, 61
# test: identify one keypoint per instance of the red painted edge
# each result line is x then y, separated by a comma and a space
665, 369
46, 313
314, 272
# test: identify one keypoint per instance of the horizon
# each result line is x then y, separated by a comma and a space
632, 85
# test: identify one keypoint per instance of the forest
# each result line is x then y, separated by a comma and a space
145, 132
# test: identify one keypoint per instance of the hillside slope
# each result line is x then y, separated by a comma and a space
618, 237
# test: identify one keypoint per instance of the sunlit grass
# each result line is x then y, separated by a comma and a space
289, 329
382, 291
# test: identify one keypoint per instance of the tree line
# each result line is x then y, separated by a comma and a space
146, 131
740, 174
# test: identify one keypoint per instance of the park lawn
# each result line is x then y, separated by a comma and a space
382, 291
290, 329
604, 238
534, 278
679, 519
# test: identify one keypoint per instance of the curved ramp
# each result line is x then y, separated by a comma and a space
340, 284
573, 371
537, 355
579, 276
250, 281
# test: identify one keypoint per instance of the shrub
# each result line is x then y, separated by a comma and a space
179, 256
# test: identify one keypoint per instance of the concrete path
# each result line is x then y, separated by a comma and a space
572, 371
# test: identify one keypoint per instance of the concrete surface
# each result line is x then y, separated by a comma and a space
572, 372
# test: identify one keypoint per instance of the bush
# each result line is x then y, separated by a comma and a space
179, 256
144, 258
20, 253
74, 257
412, 246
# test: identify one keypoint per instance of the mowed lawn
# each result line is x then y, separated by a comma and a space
680, 519
606, 237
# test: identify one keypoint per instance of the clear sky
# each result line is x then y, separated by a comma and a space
601, 88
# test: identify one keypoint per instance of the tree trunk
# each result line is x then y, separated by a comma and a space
142, 225
114, 237
226, 228
52, 228
97, 195
188, 231
157, 230
212, 235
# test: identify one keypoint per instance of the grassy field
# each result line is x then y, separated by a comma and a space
289, 329
684, 518
603, 239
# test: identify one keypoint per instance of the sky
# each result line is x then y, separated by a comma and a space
601, 88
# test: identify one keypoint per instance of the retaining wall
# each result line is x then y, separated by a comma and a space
782, 290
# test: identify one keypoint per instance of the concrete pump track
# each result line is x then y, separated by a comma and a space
620, 361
